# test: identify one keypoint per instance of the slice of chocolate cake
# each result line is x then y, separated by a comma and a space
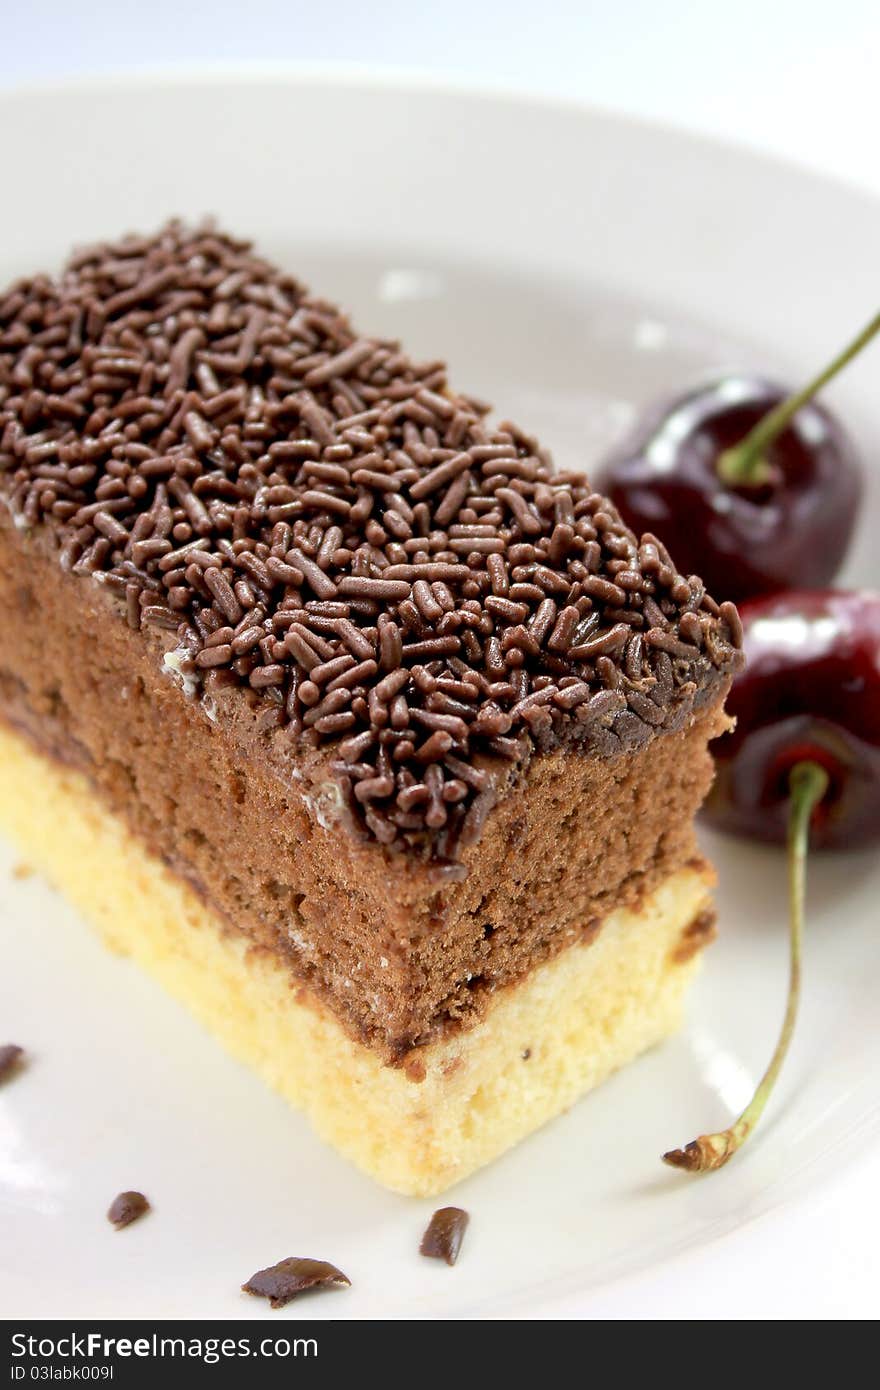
375, 738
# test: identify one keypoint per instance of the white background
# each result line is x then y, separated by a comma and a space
799, 77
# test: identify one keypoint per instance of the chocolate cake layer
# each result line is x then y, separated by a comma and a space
400, 948
408, 707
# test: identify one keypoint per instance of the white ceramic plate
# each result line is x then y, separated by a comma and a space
570, 266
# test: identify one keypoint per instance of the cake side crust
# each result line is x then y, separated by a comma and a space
462, 1101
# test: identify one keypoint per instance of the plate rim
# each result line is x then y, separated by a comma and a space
415, 80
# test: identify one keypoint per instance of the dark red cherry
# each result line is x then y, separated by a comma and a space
791, 528
809, 692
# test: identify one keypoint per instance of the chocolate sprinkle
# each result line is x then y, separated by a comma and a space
10, 1056
282, 1282
275, 494
442, 1240
127, 1207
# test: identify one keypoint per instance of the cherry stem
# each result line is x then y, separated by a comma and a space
745, 464
807, 784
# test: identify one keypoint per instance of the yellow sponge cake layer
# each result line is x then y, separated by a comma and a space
456, 1103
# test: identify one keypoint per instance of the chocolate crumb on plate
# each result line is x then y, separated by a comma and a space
442, 1240
127, 1207
10, 1054
295, 1275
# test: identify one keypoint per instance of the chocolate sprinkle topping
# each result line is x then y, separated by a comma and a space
282, 1282
442, 1240
127, 1207
315, 518
10, 1056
